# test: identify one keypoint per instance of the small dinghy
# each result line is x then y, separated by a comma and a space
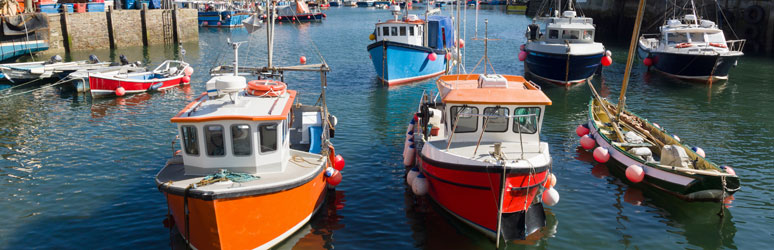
645, 153
51, 69
118, 83
80, 79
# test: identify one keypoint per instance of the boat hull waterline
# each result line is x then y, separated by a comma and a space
552, 68
405, 63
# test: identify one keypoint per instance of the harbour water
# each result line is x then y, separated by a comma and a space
78, 172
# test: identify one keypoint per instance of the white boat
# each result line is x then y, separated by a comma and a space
690, 48
560, 49
51, 69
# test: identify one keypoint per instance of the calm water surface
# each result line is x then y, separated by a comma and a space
78, 172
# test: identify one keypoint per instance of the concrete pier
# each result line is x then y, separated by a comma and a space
121, 28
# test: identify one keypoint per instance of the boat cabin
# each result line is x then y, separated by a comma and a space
228, 128
490, 108
411, 30
687, 31
568, 27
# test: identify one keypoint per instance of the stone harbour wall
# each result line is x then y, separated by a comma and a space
121, 28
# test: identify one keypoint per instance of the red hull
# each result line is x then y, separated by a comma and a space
107, 86
472, 195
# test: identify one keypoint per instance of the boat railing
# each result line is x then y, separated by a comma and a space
736, 45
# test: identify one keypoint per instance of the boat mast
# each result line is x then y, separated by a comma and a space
632, 45
693, 9
269, 29
457, 41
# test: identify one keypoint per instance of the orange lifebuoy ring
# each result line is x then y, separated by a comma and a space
683, 45
719, 45
270, 88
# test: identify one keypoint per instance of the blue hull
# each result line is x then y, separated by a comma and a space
553, 67
226, 19
405, 63
12, 50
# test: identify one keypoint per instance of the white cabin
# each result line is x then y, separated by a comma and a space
408, 31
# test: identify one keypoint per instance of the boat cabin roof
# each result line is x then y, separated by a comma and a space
490, 89
247, 107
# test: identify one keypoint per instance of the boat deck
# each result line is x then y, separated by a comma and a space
462, 153
300, 168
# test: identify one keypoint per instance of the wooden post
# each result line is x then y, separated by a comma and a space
66, 41
110, 29
175, 31
144, 17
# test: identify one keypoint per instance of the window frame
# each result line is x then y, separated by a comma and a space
507, 120
402, 31
261, 134
453, 117
207, 139
537, 121
249, 140
393, 31
553, 36
385, 31
411, 30
195, 137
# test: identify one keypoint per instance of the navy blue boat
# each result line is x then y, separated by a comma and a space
563, 52
690, 49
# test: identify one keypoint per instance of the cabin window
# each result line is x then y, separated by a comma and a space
268, 137
525, 120
394, 31
385, 31
496, 119
190, 140
570, 34
403, 30
213, 134
675, 38
468, 121
588, 35
716, 38
411, 31
697, 37
240, 139
553, 34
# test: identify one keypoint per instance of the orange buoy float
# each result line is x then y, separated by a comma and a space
683, 45
120, 91
269, 88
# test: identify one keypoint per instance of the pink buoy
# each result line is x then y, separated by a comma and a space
432, 56
729, 170
462, 43
205, 23
522, 56
120, 91
448, 56
521, 47
607, 61
188, 71
550, 197
420, 185
335, 179
698, 151
635, 173
550, 180
587, 142
302, 60
186, 79
581, 130
647, 61
601, 155
219, 23
338, 162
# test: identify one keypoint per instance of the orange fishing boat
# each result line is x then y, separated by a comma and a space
254, 165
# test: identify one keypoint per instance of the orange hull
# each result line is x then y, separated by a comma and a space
248, 222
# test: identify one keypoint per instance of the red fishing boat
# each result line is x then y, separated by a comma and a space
169, 74
479, 153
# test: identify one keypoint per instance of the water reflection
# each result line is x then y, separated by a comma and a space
434, 228
700, 223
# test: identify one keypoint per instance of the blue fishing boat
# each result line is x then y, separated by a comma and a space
563, 51
409, 49
23, 34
